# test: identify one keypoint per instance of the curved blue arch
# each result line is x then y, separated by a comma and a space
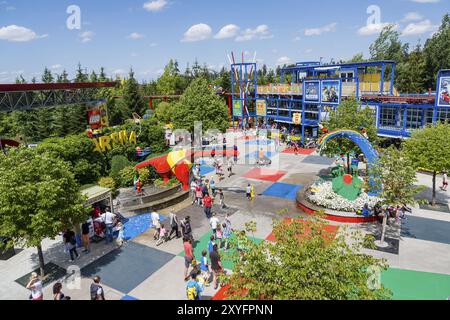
366, 147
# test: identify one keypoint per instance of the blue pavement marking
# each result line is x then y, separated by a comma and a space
255, 154
283, 190
259, 142
135, 226
127, 267
204, 170
129, 298
426, 229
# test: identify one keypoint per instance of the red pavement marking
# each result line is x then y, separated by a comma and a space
265, 174
301, 151
330, 231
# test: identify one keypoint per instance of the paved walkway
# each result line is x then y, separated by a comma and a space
141, 270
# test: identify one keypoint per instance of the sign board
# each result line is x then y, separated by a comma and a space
105, 143
261, 108
443, 99
98, 115
312, 91
297, 118
331, 92
237, 108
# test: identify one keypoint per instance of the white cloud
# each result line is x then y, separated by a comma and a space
86, 36
15, 33
260, 32
296, 39
156, 5
284, 60
228, 31
135, 36
374, 28
153, 44
318, 31
197, 32
426, 1
412, 16
414, 29
56, 67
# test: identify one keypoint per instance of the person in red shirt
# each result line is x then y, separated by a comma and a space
188, 256
207, 205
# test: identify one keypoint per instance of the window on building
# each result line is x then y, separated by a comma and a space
388, 117
414, 118
443, 114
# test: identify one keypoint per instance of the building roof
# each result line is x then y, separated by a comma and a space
96, 194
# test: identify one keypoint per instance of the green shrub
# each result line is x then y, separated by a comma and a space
126, 176
107, 182
118, 163
144, 174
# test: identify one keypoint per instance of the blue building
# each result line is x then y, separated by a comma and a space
308, 91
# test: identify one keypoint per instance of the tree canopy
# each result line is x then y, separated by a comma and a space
305, 263
429, 149
200, 103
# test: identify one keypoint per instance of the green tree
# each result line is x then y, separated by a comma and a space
200, 103
88, 166
411, 72
429, 149
305, 263
47, 77
170, 81
396, 175
437, 52
132, 96
81, 75
349, 115
39, 198
164, 112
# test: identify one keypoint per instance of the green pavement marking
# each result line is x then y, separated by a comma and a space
202, 244
416, 285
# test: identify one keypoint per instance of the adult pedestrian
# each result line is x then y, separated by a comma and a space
85, 231
193, 188
221, 199
174, 224
205, 190
199, 194
71, 244
248, 192
214, 222
156, 222
35, 286
96, 290
188, 256
207, 205
230, 167
186, 228
224, 146
108, 218
57, 292
216, 266
212, 185
444, 182
235, 153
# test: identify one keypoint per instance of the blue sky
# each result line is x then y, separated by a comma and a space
144, 34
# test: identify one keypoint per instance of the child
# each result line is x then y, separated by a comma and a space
162, 235
120, 237
199, 194
204, 267
226, 233
249, 192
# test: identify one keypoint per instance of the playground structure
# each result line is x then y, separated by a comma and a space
176, 163
347, 186
308, 91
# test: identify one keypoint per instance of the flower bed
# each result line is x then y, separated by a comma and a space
327, 198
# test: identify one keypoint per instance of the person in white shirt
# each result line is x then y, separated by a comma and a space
444, 182
156, 222
193, 186
35, 285
108, 218
214, 222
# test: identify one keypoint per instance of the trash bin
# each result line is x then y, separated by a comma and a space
6, 254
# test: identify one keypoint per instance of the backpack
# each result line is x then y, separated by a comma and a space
191, 293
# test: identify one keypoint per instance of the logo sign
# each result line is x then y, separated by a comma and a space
444, 92
331, 91
312, 91
106, 143
297, 118
237, 108
261, 108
